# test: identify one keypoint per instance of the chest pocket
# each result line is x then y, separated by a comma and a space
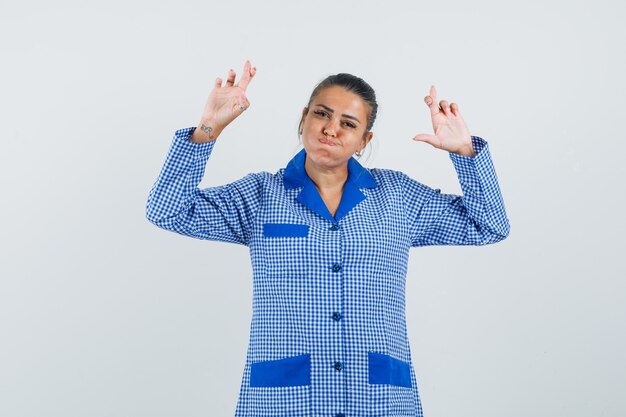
287, 248
285, 230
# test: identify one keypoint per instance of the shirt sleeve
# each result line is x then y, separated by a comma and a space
175, 202
478, 217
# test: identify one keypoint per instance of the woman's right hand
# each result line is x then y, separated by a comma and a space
225, 104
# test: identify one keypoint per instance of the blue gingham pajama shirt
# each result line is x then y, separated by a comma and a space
328, 334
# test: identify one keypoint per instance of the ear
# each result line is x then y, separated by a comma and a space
367, 137
304, 113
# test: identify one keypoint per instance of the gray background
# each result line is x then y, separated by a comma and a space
103, 314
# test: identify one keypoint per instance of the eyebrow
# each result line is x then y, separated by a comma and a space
344, 115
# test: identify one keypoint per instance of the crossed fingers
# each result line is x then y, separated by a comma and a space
247, 75
450, 110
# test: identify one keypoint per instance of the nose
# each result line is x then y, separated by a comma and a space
330, 128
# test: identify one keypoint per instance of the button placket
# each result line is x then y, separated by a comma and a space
336, 316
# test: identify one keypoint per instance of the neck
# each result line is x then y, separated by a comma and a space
324, 178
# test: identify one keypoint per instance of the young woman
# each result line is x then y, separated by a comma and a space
329, 242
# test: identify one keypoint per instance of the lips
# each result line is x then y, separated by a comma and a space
327, 142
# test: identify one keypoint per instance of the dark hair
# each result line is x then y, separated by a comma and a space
354, 85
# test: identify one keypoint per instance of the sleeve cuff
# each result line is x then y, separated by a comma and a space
198, 150
478, 144
471, 168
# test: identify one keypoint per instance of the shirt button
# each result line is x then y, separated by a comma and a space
334, 227
336, 316
338, 366
336, 268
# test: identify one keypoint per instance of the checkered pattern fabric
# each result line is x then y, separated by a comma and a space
328, 335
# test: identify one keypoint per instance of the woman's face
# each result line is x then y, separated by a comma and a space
343, 115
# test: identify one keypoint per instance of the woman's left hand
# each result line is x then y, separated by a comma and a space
451, 133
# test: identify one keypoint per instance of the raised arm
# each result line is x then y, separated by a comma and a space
176, 203
478, 217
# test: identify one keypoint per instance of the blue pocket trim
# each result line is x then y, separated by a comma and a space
295, 370
285, 230
385, 369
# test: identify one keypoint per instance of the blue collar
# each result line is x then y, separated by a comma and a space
358, 177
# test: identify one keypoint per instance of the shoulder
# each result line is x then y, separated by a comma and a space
410, 189
267, 181
252, 184
386, 177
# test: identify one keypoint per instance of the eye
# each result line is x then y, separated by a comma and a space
323, 114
